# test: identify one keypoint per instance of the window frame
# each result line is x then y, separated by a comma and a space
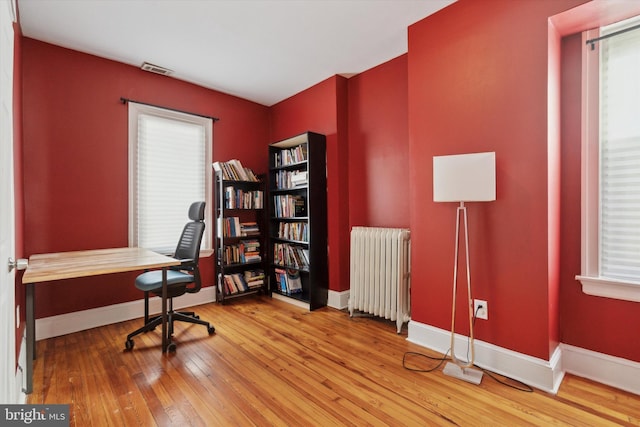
137, 109
593, 283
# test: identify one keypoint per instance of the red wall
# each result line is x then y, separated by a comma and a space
379, 146
478, 82
323, 109
367, 151
75, 158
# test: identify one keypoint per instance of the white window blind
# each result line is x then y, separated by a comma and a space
169, 154
620, 154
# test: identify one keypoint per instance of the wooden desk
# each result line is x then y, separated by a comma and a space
68, 265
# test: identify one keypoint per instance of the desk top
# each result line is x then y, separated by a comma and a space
67, 265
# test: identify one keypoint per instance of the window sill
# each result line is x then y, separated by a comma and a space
610, 288
205, 253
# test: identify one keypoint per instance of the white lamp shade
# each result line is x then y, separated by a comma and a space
464, 177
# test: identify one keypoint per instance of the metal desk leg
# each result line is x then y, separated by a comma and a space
165, 338
31, 336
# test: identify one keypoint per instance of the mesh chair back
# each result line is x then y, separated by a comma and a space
191, 237
190, 240
189, 244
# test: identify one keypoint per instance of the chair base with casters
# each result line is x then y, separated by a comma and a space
176, 282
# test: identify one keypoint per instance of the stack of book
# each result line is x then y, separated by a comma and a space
254, 278
250, 250
234, 171
299, 178
250, 229
290, 179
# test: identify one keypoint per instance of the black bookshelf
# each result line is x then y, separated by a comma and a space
297, 237
240, 237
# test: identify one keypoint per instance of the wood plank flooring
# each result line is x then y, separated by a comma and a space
271, 363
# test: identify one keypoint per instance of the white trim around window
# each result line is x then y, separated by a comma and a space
593, 282
189, 128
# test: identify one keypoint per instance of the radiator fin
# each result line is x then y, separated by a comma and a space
379, 275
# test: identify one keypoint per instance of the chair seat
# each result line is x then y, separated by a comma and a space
152, 280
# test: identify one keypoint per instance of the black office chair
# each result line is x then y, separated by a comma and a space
181, 279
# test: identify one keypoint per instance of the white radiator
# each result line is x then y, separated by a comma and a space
380, 276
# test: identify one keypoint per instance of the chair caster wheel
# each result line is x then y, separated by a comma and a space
128, 345
211, 330
171, 348
196, 316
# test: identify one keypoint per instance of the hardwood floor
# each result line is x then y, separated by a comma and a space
271, 363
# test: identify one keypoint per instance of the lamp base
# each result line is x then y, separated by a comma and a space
467, 374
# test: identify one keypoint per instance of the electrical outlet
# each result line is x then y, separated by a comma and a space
480, 309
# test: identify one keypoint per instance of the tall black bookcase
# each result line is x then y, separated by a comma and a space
297, 237
240, 236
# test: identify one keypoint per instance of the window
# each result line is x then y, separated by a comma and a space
611, 164
169, 158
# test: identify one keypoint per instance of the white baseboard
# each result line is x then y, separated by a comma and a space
292, 301
610, 370
68, 323
335, 299
541, 374
339, 300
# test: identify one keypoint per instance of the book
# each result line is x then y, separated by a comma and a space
230, 285
281, 279
294, 283
288, 281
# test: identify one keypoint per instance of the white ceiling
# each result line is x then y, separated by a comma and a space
261, 50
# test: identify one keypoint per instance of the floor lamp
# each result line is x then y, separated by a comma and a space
463, 178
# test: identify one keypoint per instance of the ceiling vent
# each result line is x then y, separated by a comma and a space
156, 69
